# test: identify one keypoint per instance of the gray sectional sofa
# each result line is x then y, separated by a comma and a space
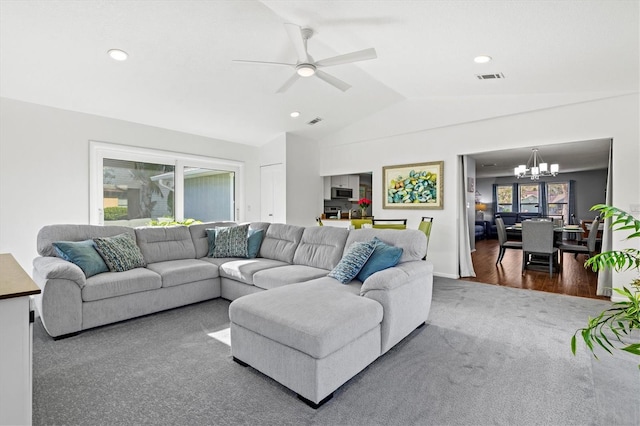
308, 331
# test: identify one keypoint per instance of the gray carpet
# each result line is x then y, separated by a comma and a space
489, 355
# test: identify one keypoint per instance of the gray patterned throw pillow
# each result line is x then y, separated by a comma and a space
120, 253
231, 241
352, 261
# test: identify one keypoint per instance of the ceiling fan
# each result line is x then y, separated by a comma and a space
307, 67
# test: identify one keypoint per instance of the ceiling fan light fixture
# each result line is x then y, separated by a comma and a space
306, 70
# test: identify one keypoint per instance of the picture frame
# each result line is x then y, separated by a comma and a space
413, 186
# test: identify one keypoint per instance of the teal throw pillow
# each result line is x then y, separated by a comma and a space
253, 243
211, 239
231, 241
83, 254
352, 261
384, 256
120, 253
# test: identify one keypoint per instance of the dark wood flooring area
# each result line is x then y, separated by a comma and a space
573, 279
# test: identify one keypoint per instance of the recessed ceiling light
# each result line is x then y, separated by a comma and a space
295, 114
118, 55
482, 59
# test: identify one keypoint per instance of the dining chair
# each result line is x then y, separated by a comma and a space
588, 250
389, 223
425, 226
504, 241
537, 241
357, 223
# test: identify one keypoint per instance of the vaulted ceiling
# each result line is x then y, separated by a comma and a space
180, 73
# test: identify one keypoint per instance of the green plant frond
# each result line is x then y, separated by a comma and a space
602, 345
633, 348
573, 344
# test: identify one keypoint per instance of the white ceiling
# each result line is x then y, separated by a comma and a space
180, 73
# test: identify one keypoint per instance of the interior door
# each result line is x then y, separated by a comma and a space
273, 193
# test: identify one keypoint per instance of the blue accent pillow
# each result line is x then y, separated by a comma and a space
211, 238
253, 243
83, 254
352, 261
384, 256
120, 253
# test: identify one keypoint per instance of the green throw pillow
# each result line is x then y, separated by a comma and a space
120, 253
83, 254
384, 256
352, 261
231, 241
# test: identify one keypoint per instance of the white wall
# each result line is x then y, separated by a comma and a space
616, 118
304, 184
44, 167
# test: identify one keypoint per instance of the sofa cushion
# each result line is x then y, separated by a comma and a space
283, 275
52, 233
316, 318
112, 284
321, 247
83, 254
176, 272
412, 241
280, 242
384, 256
120, 252
352, 261
162, 243
243, 270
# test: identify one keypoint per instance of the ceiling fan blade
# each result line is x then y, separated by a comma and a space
295, 34
335, 82
263, 62
288, 83
361, 55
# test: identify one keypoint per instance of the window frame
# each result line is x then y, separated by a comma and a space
98, 151
498, 204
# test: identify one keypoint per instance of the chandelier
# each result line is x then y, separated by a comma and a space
535, 167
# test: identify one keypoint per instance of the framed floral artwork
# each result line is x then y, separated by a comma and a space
413, 186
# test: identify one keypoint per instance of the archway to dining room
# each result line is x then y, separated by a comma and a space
491, 188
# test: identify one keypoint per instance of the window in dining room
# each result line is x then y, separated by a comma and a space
529, 198
504, 195
558, 199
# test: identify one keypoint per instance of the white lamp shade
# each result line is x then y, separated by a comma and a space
555, 168
543, 167
535, 171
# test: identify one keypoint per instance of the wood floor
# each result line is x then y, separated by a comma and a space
573, 279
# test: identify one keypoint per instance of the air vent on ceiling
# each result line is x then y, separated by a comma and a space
490, 165
314, 121
490, 76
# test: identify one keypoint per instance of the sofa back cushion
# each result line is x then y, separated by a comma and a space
413, 242
162, 243
281, 241
199, 236
321, 247
52, 233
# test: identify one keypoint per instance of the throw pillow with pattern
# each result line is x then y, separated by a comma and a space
231, 241
352, 261
120, 253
